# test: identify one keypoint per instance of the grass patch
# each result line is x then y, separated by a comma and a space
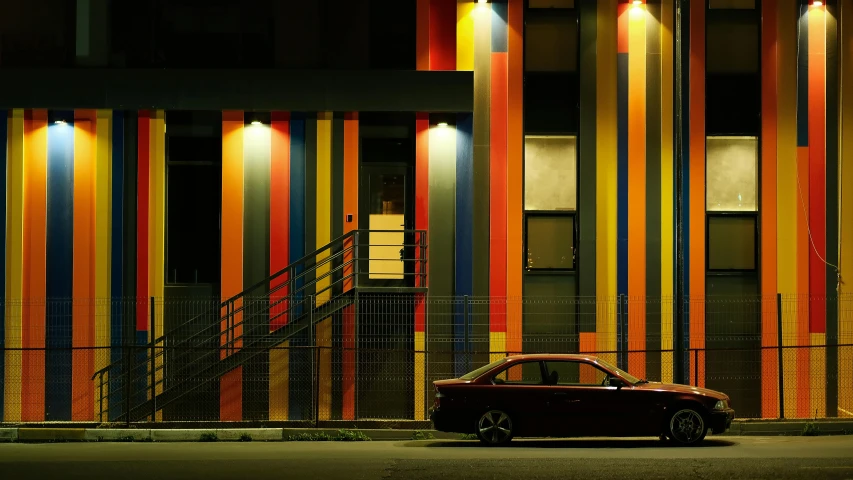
208, 437
419, 435
811, 430
345, 435
467, 436
309, 437
245, 437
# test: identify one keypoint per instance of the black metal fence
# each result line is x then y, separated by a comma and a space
375, 356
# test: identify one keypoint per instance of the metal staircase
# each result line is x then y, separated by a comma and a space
253, 322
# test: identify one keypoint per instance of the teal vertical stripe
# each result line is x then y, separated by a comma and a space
499, 26
59, 275
300, 385
463, 281
588, 20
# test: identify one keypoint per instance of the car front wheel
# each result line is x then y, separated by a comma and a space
494, 427
687, 426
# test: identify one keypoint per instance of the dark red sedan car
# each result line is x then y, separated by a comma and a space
573, 396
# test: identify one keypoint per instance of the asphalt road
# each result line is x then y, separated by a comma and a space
728, 457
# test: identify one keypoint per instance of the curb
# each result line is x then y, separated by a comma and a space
52, 434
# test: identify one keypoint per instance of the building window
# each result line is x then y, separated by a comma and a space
193, 197
732, 242
731, 4
550, 173
732, 174
550, 240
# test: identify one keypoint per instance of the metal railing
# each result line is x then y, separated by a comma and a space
772, 354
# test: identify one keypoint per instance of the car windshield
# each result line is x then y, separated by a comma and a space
485, 368
623, 373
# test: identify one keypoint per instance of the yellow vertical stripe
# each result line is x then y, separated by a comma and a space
465, 35
845, 307
605, 222
786, 181
14, 264
324, 343
324, 198
280, 382
420, 376
102, 200
666, 190
156, 230
497, 340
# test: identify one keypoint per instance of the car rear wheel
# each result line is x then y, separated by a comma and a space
687, 426
494, 427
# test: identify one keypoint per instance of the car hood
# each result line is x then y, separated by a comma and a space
677, 388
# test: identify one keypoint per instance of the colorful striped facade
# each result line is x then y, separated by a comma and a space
85, 208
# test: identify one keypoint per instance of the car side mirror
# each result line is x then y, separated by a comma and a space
616, 382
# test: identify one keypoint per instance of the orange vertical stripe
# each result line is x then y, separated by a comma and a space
637, 190
350, 208
35, 252
231, 398
803, 249
83, 324
769, 324
587, 345
697, 186
515, 173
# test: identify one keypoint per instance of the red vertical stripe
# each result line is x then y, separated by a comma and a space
142, 203
421, 201
279, 214
422, 32
497, 192
817, 169
34, 265
769, 332
442, 35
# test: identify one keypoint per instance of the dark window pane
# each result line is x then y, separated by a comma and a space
527, 373
731, 242
550, 242
193, 223
551, 41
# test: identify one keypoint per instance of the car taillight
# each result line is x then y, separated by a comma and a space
438, 397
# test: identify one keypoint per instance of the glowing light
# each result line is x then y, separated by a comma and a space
482, 1
442, 124
817, 3
59, 122
256, 123
638, 2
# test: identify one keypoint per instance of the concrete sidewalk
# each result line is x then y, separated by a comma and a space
400, 432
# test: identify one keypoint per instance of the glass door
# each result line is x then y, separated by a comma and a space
386, 191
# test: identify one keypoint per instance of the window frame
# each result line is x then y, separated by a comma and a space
756, 247
551, 213
578, 385
505, 370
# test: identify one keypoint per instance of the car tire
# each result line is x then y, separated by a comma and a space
686, 426
494, 427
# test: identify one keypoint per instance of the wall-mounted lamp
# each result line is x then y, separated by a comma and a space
442, 124
256, 122
59, 122
637, 2
482, 1
817, 3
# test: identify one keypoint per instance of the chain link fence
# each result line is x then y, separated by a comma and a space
375, 356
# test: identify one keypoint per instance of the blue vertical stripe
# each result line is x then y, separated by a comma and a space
59, 273
3, 134
300, 387
622, 194
117, 255
803, 79
464, 280
499, 26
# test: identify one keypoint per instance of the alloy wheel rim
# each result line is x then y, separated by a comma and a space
686, 426
495, 426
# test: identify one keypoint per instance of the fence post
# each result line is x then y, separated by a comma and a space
153, 364
781, 354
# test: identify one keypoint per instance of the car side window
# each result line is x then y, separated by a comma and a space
574, 373
524, 373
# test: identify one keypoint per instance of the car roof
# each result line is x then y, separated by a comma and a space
551, 356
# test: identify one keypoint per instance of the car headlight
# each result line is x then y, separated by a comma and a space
720, 405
